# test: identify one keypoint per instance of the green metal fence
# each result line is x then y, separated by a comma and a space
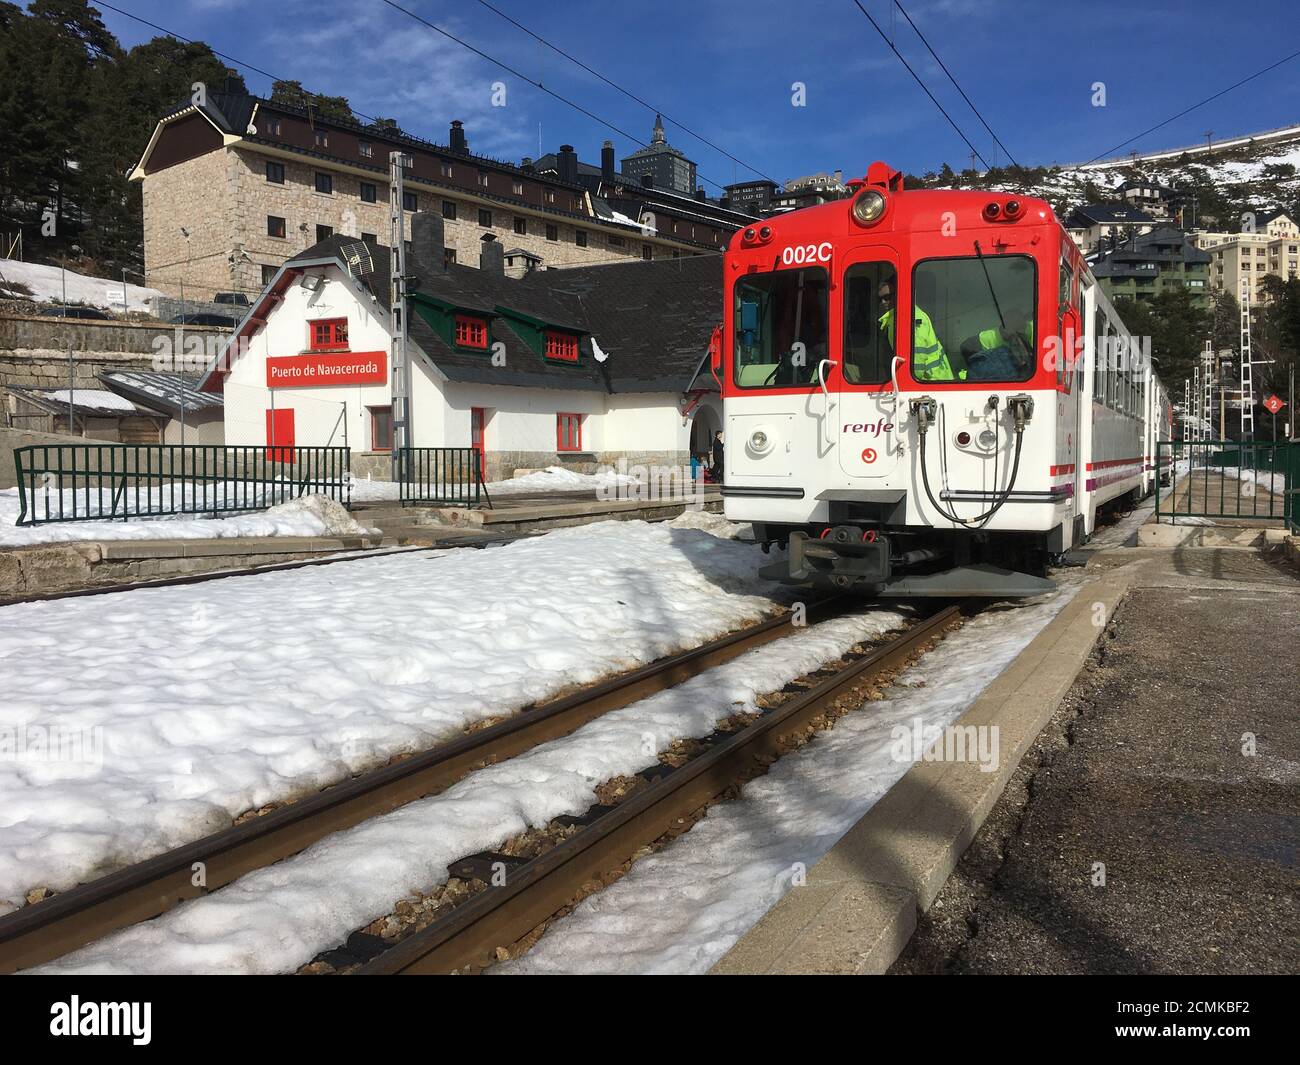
450, 475
1229, 479
86, 482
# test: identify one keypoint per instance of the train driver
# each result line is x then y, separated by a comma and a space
1012, 339
929, 360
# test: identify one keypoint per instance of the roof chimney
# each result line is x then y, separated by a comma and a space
647, 181
566, 164
700, 194
491, 256
427, 255
457, 141
607, 162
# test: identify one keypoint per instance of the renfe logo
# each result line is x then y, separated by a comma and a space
103, 1018
874, 428
309, 371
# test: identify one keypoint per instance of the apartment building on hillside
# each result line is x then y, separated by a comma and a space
236, 185
1238, 259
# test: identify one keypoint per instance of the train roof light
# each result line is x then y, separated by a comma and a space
868, 207
992, 210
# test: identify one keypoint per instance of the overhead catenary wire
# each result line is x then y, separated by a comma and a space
515, 72
1189, 110
917, 78
630, 95
969, 103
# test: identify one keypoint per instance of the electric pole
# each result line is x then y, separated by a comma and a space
402, 435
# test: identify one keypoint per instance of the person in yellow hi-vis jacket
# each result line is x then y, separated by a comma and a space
1015, 336
929, 360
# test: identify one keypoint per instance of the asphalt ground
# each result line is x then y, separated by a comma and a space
1173, 767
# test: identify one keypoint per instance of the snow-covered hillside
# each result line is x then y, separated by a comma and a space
46, 284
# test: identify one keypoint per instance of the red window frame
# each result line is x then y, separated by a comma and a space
561, 346
568, 432
327, 334
375, 443
471, 332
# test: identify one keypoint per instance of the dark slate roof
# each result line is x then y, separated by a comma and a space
1263, 218
1108, 213
162, 391
652, 319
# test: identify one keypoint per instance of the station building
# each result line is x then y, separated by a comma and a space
579, 368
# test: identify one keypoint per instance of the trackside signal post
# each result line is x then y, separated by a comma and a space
402, 436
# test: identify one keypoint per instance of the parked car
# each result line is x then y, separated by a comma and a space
76, 312
237, 299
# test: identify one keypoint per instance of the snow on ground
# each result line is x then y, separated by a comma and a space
278, 918
47, 283
303, 516
552, 479
205, 704
681, 910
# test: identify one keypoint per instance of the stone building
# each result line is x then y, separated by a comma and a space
1145, 265
666, 166
235, 185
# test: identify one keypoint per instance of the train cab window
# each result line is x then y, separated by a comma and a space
780, 324
974, 319
869, 343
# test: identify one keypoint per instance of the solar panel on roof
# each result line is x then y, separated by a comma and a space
357, 255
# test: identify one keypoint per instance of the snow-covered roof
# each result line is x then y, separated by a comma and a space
164, 391
91, 401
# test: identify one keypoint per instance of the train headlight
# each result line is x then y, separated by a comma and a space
868, 207
987, 439
759, 440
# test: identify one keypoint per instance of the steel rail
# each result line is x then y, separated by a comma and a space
46, 930
537, 889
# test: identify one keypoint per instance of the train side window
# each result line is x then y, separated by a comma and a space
1099, 346
869, 342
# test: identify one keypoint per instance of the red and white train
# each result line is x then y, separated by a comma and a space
955, 456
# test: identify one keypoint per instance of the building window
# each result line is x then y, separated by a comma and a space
471, 332
369, 194
324, 233
275, 173
580, 238
485, 218
410, 202
521, 226
366, 149
328, 334
517, 188
449, 210
274, 226
568, 432
482, 179
381, 428
550, 195
324, 183
272, 127
562, 346
448, 256
552, 231
268, 275
616, 242
445, 169
647, 252
370, 238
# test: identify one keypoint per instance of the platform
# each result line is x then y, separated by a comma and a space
1199, 649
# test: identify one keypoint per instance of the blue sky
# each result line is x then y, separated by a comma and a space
726, 70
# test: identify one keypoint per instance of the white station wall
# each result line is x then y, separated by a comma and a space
317, 409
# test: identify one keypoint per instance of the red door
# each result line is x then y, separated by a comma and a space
279, 434
476, 419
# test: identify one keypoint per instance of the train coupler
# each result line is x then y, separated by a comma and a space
842, 557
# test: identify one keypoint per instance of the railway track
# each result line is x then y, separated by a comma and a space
47, 930
468, 936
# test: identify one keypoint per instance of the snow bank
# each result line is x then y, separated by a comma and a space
681, 910
305, 516
558, 479
212, 700
279, 918
47, 283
